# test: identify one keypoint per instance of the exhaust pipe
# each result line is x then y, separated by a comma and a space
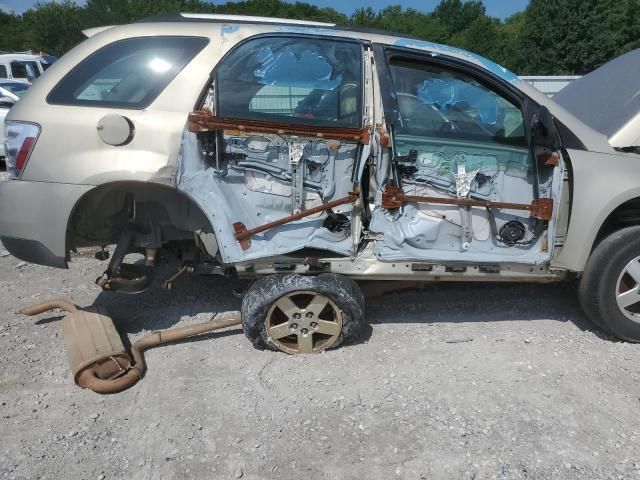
96, 353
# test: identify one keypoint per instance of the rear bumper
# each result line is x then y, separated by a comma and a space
32, 251
33, 219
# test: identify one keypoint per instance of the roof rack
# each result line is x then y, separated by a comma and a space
6, 52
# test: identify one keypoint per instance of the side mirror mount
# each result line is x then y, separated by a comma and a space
544, 130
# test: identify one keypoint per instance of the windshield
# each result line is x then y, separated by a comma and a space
17, 89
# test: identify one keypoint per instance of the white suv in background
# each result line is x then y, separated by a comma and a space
22, 67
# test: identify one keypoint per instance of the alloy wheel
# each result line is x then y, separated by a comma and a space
303, 322
628, 290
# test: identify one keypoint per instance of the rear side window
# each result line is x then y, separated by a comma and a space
22, 69
296, 80
3, 71
128, 74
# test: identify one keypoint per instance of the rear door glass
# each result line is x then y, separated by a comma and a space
3, 71
130, 73
296, 80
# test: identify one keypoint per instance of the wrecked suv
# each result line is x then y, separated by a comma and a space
304, 156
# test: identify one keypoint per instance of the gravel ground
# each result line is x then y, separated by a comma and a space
453, 381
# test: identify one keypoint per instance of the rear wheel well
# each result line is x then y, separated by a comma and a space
158, 213
625, 215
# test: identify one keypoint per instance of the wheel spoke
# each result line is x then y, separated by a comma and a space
317, 304
305, 343
280, 331
629, 298
328, 328
286, 305
633, 269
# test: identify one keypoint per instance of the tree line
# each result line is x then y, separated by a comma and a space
550, 37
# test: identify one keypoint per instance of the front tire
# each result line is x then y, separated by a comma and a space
610, 287
302, 314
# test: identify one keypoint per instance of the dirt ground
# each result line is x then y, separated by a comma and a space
453, 381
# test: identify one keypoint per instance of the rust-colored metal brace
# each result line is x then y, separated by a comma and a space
243, 235
98, 358
540, 208
204, 120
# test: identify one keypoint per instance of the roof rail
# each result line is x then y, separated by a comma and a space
6, 52
220, 18
249, 18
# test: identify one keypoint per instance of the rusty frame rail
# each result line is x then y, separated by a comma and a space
243, 235
540, 208
203, 121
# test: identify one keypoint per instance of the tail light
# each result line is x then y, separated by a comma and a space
19, 140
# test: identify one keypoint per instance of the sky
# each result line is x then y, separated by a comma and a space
495, 8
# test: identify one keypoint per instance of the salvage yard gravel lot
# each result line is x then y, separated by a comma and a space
452, 381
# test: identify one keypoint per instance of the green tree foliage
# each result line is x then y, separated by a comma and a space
396, 19
114, 12
510, 43
278, 8
457, 15
484, 36
13, 31
549, 37
52, 27
575, 36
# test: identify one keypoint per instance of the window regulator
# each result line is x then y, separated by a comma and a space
296, 151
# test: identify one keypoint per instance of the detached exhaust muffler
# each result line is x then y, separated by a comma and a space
96, 353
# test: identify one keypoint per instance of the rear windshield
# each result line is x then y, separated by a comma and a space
129, 73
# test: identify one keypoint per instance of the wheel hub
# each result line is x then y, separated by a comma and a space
303, 322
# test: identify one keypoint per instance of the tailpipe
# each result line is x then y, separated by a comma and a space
96, 353
61, 304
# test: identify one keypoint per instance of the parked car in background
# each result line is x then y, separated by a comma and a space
10, 93
23, 67
315, 155
14, 87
